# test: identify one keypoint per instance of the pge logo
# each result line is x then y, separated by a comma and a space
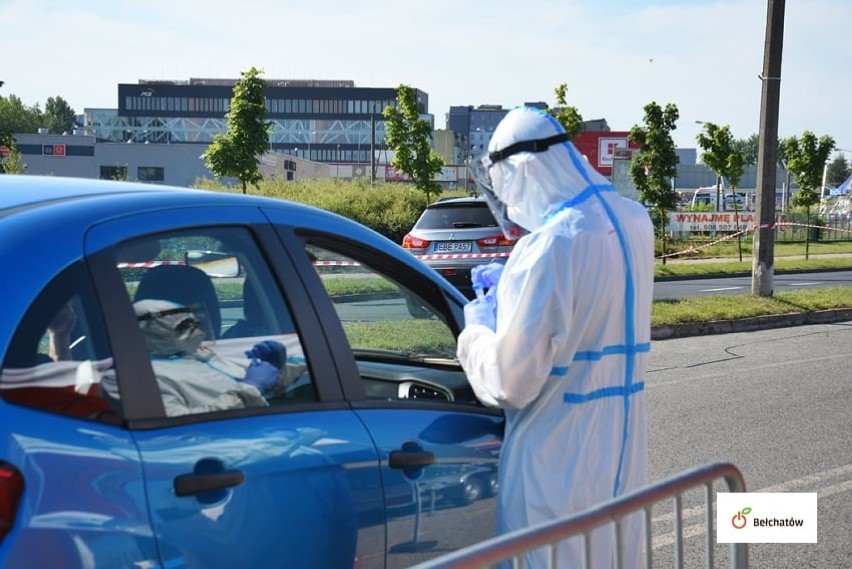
740, 520
149, 92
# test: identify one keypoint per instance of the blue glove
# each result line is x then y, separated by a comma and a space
482, 310
268, 351
485, 277
262, 375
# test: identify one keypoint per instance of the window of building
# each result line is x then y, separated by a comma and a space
151, 174
114, 172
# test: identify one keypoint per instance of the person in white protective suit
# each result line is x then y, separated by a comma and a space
194, 379
560, 340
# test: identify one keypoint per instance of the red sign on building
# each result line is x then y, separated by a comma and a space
53, 150
600, 147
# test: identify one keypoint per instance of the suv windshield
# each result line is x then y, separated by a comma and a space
456, 216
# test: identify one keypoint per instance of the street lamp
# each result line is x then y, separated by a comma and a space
337, 167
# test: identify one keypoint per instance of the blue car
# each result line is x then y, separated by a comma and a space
206, 379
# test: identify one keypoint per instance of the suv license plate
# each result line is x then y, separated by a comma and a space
453, 247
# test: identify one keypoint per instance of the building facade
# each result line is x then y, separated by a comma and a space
317, 120
84, 156
474, 126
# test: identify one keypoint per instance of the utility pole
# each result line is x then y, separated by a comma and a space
763, 264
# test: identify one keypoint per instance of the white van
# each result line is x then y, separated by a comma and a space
739, 198
705, 196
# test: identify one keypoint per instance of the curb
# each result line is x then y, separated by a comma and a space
664, 278
751, 324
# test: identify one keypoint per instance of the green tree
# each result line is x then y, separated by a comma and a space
235, 153
17, 117
410, 138
11, 159
722, 157
58, 115
839, 170
806, 158
748, 147
569, 117
654, 167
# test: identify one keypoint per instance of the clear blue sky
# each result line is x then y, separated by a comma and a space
616, 56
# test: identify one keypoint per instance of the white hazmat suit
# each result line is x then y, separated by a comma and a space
568, 356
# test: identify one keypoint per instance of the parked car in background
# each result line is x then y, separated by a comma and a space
454, 235
322, 472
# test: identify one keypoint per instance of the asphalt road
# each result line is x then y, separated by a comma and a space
716, 286
778, 405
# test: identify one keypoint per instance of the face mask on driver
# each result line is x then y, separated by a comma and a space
168, 328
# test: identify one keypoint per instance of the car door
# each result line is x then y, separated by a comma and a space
294, 483
395, 344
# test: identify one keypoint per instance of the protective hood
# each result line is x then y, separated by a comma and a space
170, 329
533, 185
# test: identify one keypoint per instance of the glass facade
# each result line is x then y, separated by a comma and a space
324, 121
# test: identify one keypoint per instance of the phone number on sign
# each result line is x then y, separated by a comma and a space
713, 227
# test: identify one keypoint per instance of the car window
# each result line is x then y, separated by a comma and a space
456, 217
60, 353
404, 349
211, 314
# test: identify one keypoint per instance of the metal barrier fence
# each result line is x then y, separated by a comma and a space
514, 545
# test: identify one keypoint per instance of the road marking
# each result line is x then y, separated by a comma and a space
803, 284
694, 530
723, 288
727, 374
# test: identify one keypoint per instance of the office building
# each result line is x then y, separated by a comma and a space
318, 120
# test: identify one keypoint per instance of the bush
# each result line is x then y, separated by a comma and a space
388, 208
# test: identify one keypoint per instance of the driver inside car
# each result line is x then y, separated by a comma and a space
193, 378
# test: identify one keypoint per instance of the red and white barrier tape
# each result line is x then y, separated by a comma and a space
781, 225
148, 264
439, 256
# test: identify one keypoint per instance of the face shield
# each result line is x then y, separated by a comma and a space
481, 166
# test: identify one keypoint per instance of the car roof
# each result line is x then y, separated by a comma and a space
444, 202
19, 191
50, 210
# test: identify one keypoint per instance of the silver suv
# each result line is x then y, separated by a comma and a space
454, 235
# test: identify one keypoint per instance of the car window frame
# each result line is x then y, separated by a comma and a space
142, 406
394, 270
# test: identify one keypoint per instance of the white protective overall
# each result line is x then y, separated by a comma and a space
568, 357
191, 379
